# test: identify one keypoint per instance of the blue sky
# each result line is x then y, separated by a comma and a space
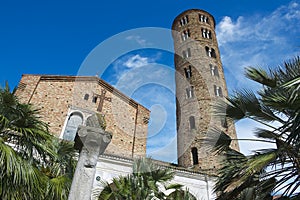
56, 37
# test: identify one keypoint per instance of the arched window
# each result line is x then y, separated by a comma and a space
190, 92
188, 72
75, 119
210, 52
206, 33
218, 91
203, 32
214, 70
184, 20
195, 156
185, 35
187, 53
192, 122
213, 53
203, 18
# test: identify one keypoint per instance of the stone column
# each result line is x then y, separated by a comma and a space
95, 141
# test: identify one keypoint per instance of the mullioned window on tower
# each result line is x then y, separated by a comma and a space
187, 53
190, 92
203, 18
218, 91
210, 52
206, 33
184, 20
185, 35
188, 71
214, 70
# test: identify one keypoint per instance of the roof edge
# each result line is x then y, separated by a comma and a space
193, 9
44, 77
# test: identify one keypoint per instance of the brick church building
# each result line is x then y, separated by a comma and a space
65, 102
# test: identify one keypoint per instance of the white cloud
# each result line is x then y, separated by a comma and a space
123, 65
135, 78
228, 30
142, 78
247, 40
258, 41
152, 84
138, 39
136, 61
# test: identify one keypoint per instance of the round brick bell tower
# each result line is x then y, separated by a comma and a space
199, 84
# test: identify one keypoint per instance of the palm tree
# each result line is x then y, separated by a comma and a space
33, 163
59, 169
268, 170
148, 181
180, 194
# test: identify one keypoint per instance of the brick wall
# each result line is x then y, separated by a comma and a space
58, 96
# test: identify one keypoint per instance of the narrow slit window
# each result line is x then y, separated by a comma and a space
192, 122
94, 100
195, 156
187, 53
86, 97
184, 54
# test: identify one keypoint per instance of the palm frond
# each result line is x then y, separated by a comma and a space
32, 161
266, 134
271, 169
261, 76
58, 187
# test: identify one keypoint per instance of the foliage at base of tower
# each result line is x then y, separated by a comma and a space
277, 107
148, 181
33, 163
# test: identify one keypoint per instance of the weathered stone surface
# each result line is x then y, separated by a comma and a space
203, 81
95, 141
